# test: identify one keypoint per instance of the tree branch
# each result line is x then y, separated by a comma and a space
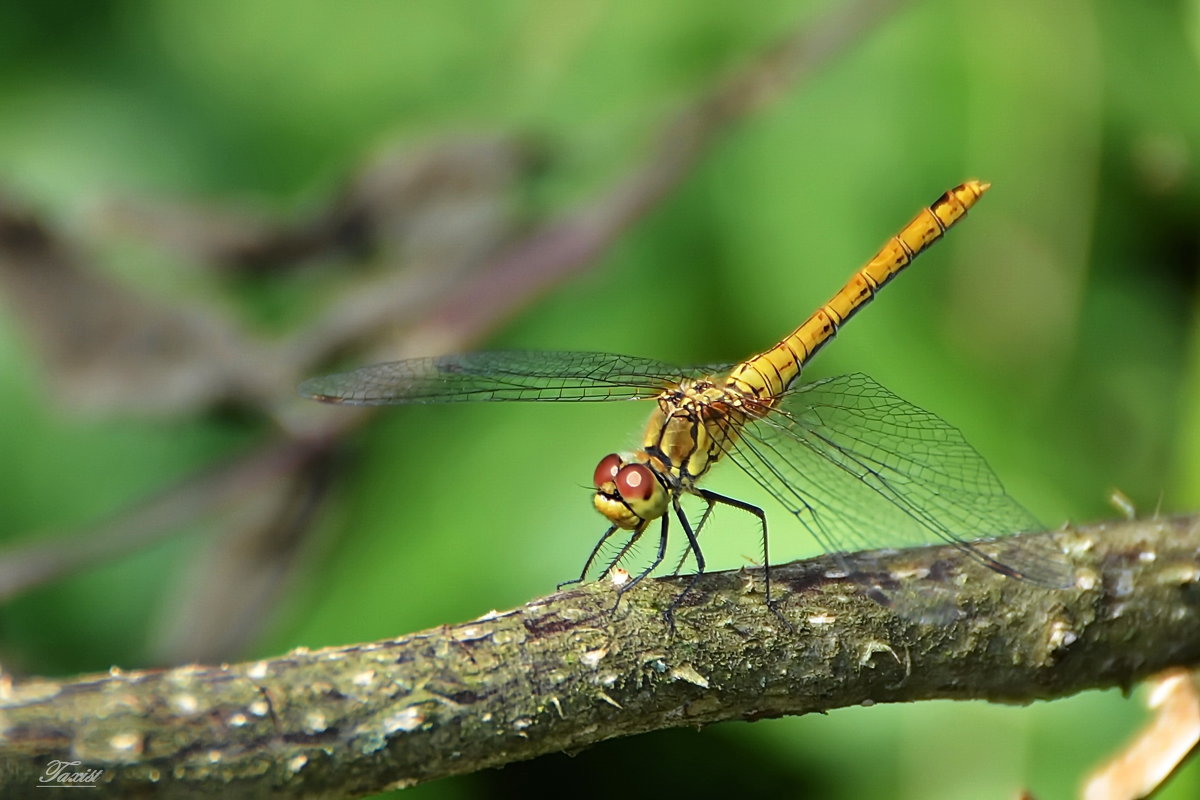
565, 671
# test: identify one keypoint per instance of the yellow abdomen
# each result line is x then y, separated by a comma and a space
769, 373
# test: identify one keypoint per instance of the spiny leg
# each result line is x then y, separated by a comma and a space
658, 559
713, 498
694, 546
698, 529
587, 565
634, 536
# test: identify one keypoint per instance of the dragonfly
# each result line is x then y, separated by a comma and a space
857, 466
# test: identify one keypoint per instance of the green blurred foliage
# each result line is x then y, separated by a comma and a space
1057, 327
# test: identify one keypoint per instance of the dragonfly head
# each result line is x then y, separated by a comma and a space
628, 491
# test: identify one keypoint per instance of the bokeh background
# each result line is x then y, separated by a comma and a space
1057, 326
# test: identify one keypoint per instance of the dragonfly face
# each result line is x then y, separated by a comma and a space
629, 493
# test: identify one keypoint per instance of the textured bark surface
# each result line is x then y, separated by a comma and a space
565, 671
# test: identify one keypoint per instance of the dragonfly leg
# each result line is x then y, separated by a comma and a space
699, 527
694, 547
713, 498
587, 565
634, 536
658, 559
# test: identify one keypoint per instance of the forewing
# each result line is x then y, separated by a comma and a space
498, 375
861, 468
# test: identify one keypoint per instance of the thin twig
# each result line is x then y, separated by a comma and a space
226, 482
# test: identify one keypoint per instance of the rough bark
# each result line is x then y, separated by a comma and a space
565, 671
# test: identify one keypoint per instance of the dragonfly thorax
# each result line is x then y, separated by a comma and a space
694, 425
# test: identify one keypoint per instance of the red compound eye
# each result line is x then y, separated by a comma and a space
635, 482
606, 470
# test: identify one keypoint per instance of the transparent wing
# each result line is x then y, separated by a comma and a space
861, 468
500, 375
